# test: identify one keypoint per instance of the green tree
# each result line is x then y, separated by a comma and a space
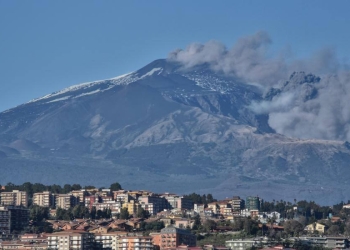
115, 186
38, 214
67, 188
209, 225
210, 198
143, 214
124, 213
76, 187
293, 227
93, 213
197, 222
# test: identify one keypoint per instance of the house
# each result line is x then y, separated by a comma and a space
346, 206
311, 228
100, 229
335, 219
183, 223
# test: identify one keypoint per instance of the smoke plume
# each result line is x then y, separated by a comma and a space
299, 105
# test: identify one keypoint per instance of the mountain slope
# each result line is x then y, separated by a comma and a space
167, 129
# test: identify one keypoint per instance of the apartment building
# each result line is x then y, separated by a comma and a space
91, 200
44, 199
13, 218
253, 203
237, 203
71, 239
153, 204
135, 243
132, 206
175, 201
111, 240
114, 206
65, 201
199, 208
122, 197
172, 237
14, 198
241, 244
80, 196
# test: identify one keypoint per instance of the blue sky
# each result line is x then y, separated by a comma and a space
49, 45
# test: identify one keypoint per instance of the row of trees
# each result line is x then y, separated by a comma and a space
200, 199
57, 189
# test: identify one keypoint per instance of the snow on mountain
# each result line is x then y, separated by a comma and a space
109, 83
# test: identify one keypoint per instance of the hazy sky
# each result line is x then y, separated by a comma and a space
49, 45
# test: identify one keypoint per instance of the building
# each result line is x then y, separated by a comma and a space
153, 204
114, 206
80, 196
325, 242
172, 237
214, 207
14, 198
10, 245
175, 201
44, 199
199, 208
237, 203
13, 218
315, 227
65, 201
253, 203
108, 240
132, 206
241, 244
74, 239
135, 243
91, 200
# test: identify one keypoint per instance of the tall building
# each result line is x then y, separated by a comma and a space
80, 196
253, 203
65, 201
132, 206
14, 198
13, 218
153, 204
135, 243
44, 199
74, 239
237, 203
172, 237
175, 201
108, 240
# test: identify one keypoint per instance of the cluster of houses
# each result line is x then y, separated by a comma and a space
174, 211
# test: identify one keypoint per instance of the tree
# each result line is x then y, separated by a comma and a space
209, 225
124, 213
197, 223
293, 227
143, 214
333, 230
67, 188
63, 214
93, 213
115, 186
38, 214
76, 187
80, 212
210, 198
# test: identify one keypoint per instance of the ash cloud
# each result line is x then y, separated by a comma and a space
303, 105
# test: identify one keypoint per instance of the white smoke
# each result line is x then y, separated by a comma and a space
293, 112
247, 59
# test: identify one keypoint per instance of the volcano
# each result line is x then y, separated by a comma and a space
164, 128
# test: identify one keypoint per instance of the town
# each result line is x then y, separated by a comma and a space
35, 216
